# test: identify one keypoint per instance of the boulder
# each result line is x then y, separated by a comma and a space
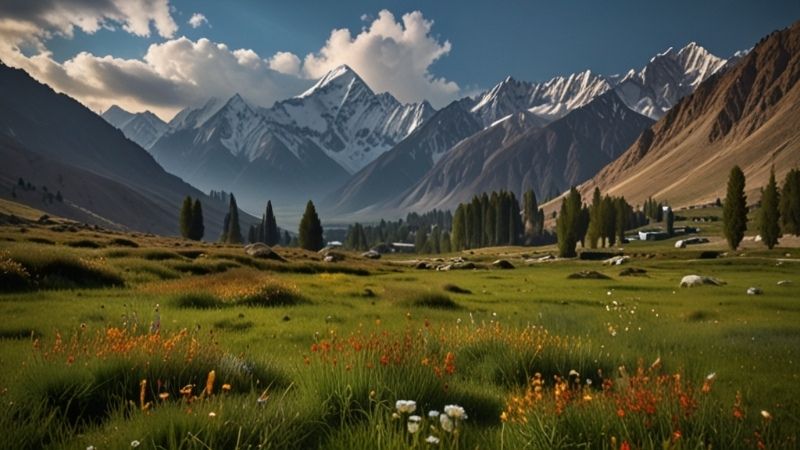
262, 251
503, 264
331, 256
754, 291
697, 280
588, 275
617, 260
421, 265
372, 254
466, 265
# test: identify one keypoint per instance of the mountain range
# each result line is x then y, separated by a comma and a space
671, 129
59, 146
746, 116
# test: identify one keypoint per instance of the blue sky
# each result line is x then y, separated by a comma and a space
469, 45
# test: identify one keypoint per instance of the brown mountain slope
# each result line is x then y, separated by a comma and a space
749, 115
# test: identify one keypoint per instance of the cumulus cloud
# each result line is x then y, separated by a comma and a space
197, 20
172, 74
29, 22
285, 62
391, 56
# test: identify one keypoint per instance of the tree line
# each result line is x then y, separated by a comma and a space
363, 237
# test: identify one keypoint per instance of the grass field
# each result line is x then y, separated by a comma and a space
109, 340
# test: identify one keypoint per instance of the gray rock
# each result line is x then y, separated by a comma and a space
784, 282
372, 254
697, 280
754, 291
503, 264
262, 251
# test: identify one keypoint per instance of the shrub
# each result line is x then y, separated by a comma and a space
432, 300
13, 275
197, 300
122, 242
67, 272
271, 295
84, 243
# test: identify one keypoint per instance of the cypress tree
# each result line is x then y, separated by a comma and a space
198, 228
515, 227
476, 235
252, 234
790, 203
459, 229
444, 245
310, 231
583, 225
770, 213
595, 219
234, 235
271, 233
609, 221
532, 217
623, 217
670, 220
186, 217
568, 223
490, 220
226, 223
734, 210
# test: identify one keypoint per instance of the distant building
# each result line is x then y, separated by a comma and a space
402, 247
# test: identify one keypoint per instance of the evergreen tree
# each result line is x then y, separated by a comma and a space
515, 226
670, 220
734, 210
568, 223
459, 229
252, 234
769, 214
435, 241
198, 228
533, 221
790, 203
583, 225
421, 241
595, 219
444, 245
186, 217
226, 223
623, 211
476, 234
271, 233
234, 235
310, 231
490, 221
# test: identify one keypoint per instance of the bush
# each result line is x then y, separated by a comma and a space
122, 242
67, 272
13, 275
197, 300
84, 243
272, 295
432, 300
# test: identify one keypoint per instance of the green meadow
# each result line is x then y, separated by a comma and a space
112, 340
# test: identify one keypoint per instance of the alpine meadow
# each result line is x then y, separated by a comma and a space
257, 225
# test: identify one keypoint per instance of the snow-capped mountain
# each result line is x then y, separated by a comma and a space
549, 100
142, 128
313, 140
651, 91
352, 124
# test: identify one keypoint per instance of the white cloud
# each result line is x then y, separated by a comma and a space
285, 62
197, 20
172, 74
29, 22
390, 56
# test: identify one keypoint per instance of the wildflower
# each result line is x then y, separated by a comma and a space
405, 406
91, 447
163, 396
455, 411
433, 440
446, 423
186, 391
656, 363
413, 424
433, 414
135, 443
766, 415
226, 387
625, 446
263, 397
574, 373
212, 414
210, 383
504, 416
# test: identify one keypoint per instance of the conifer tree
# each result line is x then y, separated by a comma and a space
568, 224
790, 203
595, 219
459, 229
234, 234
310, 231
271, 233
444, 245
769, 214
198, 228
186, 217
734, 210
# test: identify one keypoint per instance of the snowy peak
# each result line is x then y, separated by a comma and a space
698, 64
195, 117
144, 128
339, 77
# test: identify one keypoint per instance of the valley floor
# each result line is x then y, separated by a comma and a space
129, 340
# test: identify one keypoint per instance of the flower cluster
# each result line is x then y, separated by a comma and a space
441, 426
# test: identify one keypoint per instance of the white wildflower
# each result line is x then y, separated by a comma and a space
413, 424
455, 411
405, 406
446, 423
433, 440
